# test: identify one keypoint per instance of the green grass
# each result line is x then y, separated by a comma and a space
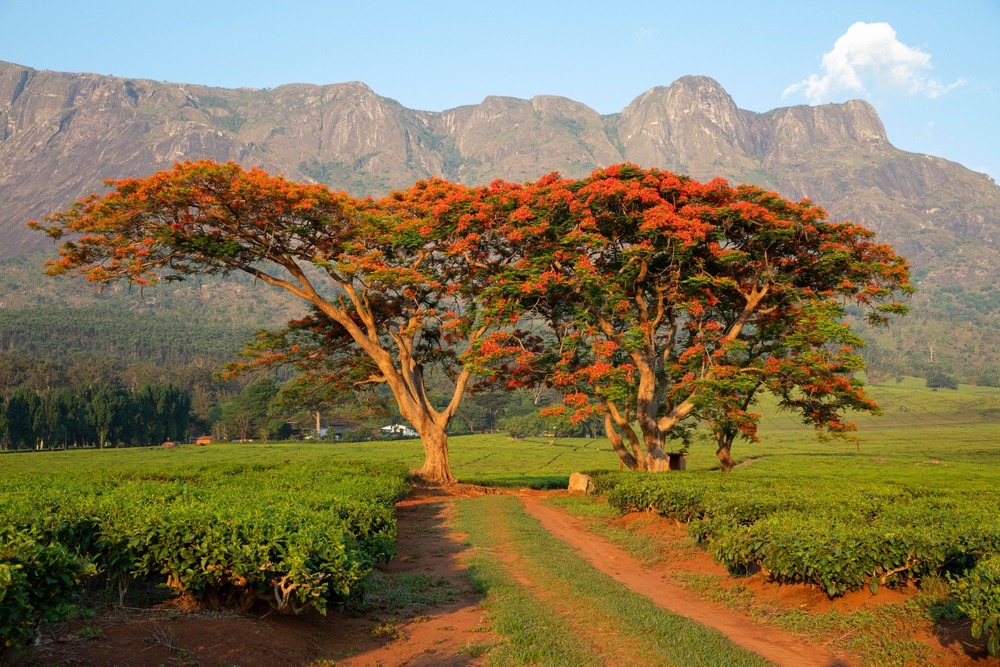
406, 593
532, 634
553, 608
493, 459
938, 438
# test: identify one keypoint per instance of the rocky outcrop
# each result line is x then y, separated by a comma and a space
518, 140
581, 483
692, 125
787, 135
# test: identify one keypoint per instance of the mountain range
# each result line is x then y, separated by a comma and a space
61, 134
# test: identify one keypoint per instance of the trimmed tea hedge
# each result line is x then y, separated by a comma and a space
296, 535
840, 538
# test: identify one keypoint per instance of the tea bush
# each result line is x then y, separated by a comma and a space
300, 535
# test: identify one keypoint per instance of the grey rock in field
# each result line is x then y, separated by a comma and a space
580, 483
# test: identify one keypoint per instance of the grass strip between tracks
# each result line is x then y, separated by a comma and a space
553, 608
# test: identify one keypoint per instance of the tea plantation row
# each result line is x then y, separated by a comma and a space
298, 535
841, 537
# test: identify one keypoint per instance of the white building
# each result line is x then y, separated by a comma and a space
398, 431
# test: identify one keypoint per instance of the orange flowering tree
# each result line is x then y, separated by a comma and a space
674, 303
392, 284
668, 303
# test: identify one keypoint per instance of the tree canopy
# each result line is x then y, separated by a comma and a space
99, 415
395, 281
667, 302
673, 302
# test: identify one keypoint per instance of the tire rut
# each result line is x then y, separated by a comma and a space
774, 644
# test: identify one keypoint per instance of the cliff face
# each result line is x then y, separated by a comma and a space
519, 140
693, 125
62, 134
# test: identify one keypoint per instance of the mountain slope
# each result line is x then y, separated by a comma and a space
61, 134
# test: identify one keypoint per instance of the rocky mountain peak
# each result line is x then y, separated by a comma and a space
693, 123
794, 130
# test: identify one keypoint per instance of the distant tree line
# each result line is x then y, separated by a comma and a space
251, 415
82, 372
99, 416
68, 402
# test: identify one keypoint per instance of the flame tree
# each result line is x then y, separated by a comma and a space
675, 302
392, 284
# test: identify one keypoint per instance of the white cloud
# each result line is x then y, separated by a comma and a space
642, 34
869, 57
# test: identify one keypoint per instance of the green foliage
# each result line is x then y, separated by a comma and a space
535, 425
840, 539
249, 416
37, 578
296, 535
978, 595
240, 553
522, 426
20, 418
99, 415
938, 379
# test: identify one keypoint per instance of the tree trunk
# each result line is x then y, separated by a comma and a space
655, 460
726, 462
627, 459
436, 468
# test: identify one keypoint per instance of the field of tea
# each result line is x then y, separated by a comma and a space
301, 525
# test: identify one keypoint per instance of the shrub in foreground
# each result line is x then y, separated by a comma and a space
37, 579
300, 536
978, 595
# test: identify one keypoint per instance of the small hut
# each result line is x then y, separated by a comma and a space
677, 461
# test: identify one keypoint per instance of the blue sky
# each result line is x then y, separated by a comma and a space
931, 68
